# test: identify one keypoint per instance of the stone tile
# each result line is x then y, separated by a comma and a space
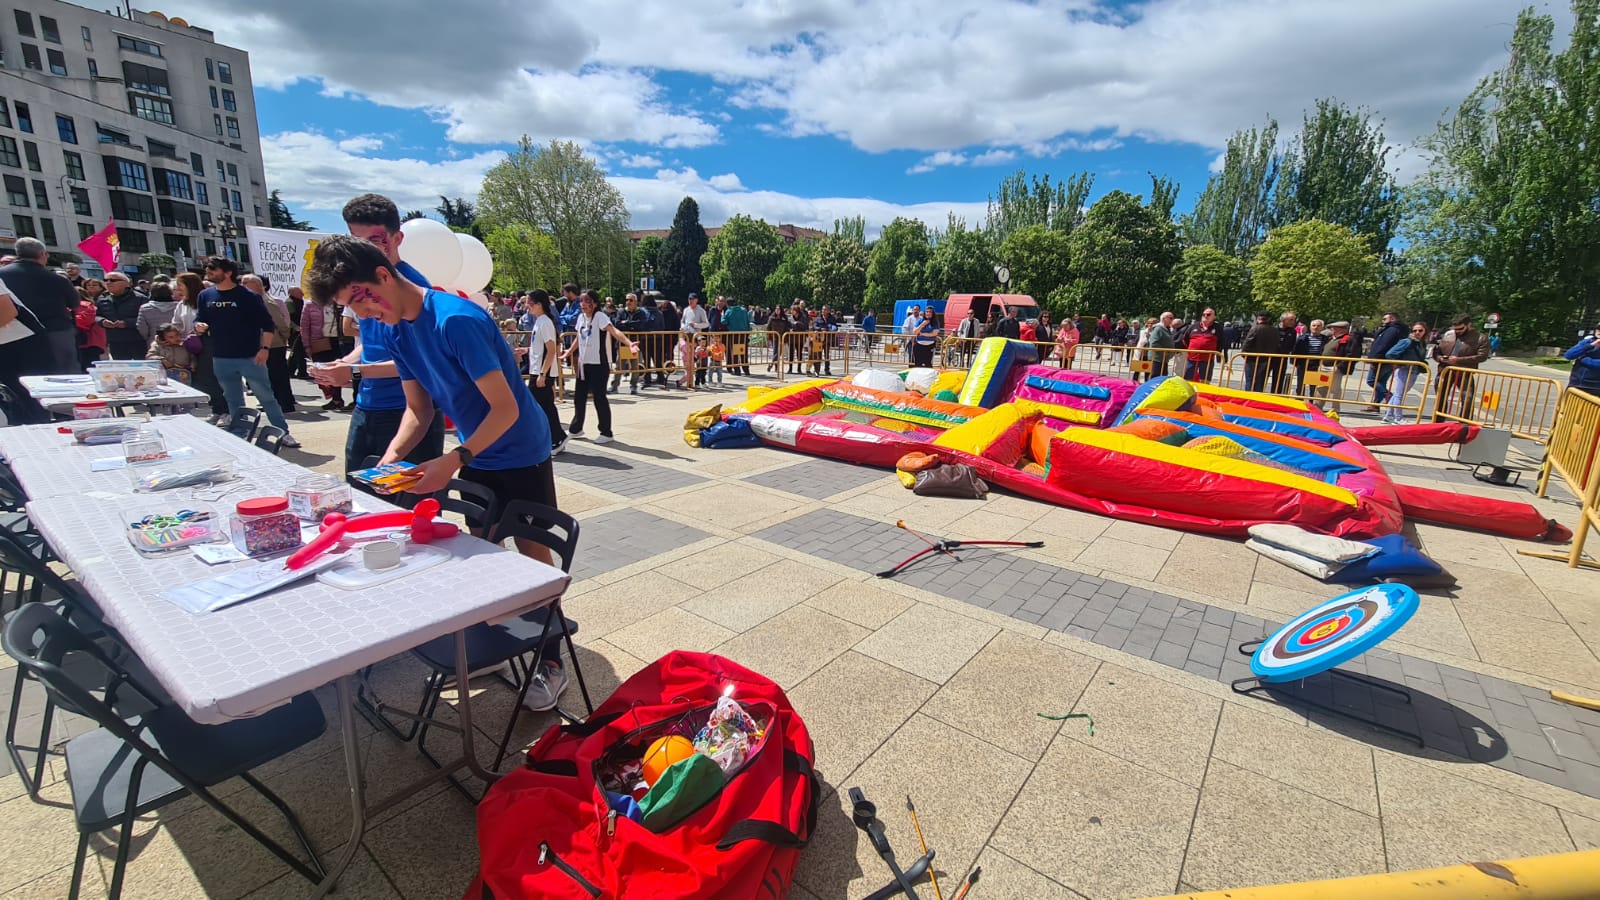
860, 602
1117, 558
670, 629
628, 536
1511, 591
1582, 612
620, 475
881, 697
1437, 626
1272, 599
751, 600
928, 641
1004, 878
39, 839
818, 479
1432, 818
735, 505
1310, 838
429, 860
997, 694
1457, 548
1585, 832
1315, 761
58, 883
1083, 812
614, 606
717, 566
791, 645
1542, 648
1144, 535
363, 880
961, 785
1079, 527
1210, 566
1158, 725
983, 525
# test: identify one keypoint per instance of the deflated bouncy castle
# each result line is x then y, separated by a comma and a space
1168, 451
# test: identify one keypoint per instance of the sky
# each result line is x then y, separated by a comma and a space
804, 111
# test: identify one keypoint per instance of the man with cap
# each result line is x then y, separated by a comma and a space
1342, 349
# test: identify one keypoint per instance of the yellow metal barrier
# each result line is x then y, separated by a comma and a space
1570, 453
1336, 383
1523, 404
1560, 876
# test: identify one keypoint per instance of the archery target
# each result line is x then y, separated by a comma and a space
1334, 632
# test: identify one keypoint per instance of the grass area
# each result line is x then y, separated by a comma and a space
1549, 362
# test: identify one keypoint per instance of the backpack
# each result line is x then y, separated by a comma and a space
548, 830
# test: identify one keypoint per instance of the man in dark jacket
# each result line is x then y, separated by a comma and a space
118, 309
53, 301
1262, 339
1009, 327
1378, 375
633, 322
670, 320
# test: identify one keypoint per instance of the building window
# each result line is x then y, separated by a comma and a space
126, 173
8, 152
224, 73
177, 244
214, 103
133, 207
201, 195
148, 79
86, 231
80, 202
112, 136
24, 117
197, 165
238, 202
233, 174
216, 119
67, 128
174, 184
243, 252
150, 108
74, 165
94, 68
58, 62
5, 113
138, 46
16, 191
51, 31
47, 230
178, 215
24, 226
233, 127
211, 72
88, 37
222, 176
41, 194
30, 151
163, 150
24, 24
229, 102
30, 57
258, 214
131, 241
211, 247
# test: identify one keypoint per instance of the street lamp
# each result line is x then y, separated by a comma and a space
225, 231
646, 281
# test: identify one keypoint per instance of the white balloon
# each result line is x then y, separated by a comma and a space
477, 266
431, 249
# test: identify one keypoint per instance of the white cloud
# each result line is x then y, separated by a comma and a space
944, 158
361, 143
316, 173
639, 161
728, 182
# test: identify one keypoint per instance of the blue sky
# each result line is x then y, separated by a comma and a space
802, 111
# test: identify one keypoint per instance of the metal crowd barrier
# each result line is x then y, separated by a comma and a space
1332, 382
1571, 454
1525, 405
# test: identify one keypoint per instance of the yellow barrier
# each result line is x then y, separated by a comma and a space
1570, 453
1334, 382
1523, 404
1560, 876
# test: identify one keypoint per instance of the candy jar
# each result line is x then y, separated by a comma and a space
314, 495
264, 525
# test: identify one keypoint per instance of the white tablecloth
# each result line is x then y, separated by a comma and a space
58, 394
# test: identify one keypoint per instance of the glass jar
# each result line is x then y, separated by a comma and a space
92, 409
315, 495
264, 525
143, 445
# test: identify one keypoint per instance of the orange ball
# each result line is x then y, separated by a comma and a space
663, 753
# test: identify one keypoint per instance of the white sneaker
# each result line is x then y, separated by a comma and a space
560, 447
222, 421
603, 439
289, 441
548, 683
496, 669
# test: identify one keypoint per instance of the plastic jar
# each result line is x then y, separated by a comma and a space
92, 409
315, 495
143, 445
264, 525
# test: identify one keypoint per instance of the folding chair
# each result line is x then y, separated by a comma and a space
244, 423
126, 769
270, 438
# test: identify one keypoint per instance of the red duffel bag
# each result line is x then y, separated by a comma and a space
547, 830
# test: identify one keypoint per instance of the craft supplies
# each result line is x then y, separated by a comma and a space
389, 478
729, 735
92, 409
127, 375
380, 555
315, 495
167, 474
101, 430
143, 445
160, 532
264, 525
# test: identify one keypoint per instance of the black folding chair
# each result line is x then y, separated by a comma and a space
476, 503
126, 769
244, 423
270, 438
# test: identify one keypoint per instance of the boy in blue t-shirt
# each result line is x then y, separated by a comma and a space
448, 351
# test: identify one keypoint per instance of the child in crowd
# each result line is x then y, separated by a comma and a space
170, 347
718, 354
702, 357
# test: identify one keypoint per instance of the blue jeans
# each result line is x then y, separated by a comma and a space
233, 373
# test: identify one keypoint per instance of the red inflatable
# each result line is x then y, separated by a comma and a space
1424, 433
1507, 517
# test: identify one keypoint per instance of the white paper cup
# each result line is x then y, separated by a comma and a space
380, 555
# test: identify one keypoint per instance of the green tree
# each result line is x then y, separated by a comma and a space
1334, 171
739, 259
1124, 254
647, 256
1020, 202
899, 264
1039, 260
559, 190
680, 254
410, 214
157, 263
1231, 213
837, 275
1317, 269
458, 213
1208, 277
787, 283
854, 228
524, 258
278, 215
1508, 214
962, 260
1163, 194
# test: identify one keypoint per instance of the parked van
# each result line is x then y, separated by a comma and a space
901, 307
955, 310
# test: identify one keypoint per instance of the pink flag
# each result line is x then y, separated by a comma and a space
102, 246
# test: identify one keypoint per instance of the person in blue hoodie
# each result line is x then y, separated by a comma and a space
1585, 356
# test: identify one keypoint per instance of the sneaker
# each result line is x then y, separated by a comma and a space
548, 683
604, 439
634, 389
289, 441
222, 421
450, 680
560, 447
574, 432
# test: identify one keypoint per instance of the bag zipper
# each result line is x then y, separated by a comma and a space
546, 855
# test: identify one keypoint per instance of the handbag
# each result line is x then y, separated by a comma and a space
321, 345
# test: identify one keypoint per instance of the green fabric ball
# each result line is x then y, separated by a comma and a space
947, 396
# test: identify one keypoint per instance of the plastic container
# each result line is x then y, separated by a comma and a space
264, 525
143, 445
160, 530
315, 495
92, 409
189, 471
103, 431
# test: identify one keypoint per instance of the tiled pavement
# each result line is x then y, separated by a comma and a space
931, 686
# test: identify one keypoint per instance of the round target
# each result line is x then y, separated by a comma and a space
1334, 632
